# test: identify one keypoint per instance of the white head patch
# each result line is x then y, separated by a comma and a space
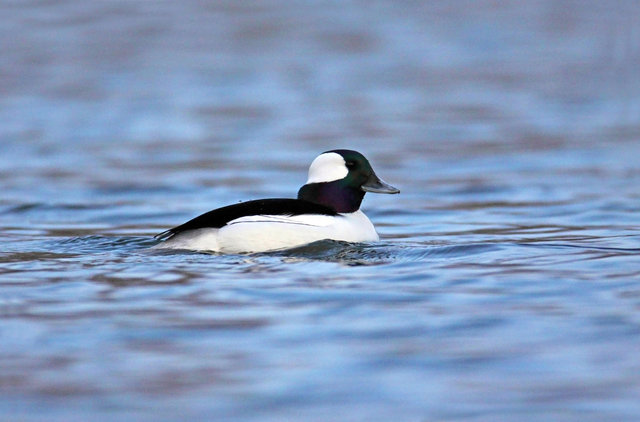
327, 167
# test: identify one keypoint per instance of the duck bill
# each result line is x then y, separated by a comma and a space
375, 185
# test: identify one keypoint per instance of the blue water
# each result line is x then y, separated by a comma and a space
505, 287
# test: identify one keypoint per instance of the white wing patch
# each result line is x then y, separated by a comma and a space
314, 220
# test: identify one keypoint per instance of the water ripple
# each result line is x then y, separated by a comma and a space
505, 287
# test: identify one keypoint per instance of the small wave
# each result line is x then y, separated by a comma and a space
420, 251
585, 247
351, 254
41, 206
98, 243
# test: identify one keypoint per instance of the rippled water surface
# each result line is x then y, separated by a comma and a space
506, 286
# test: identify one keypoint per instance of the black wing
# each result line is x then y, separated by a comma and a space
221, 216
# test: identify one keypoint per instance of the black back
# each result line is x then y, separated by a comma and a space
221, 216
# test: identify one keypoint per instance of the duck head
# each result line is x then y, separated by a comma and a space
339, 179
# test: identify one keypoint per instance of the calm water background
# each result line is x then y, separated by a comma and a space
506, 286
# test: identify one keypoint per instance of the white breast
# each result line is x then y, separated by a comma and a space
261, 233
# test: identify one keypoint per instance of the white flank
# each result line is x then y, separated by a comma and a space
260, 233
327, 167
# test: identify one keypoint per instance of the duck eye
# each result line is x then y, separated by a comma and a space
351, 164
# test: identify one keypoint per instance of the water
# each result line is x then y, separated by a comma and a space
505, 286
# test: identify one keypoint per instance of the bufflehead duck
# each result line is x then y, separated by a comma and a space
328, 207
